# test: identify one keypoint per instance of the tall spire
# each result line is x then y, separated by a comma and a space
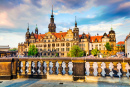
52, 12
36, 25
28, 27
75, 22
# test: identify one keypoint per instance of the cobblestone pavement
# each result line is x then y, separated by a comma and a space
48, 83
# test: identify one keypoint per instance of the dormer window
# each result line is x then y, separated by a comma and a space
95, 40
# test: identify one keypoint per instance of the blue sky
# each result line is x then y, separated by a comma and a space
93, 16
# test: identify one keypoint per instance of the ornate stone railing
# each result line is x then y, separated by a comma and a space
69, 68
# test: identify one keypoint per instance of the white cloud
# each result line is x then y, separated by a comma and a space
104, 27
90, 16
11, 39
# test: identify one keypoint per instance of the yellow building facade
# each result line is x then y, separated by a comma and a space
52, 43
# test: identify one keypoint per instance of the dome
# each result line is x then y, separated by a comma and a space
111, 31
105, 34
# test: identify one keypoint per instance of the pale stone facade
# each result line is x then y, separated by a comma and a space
127, 46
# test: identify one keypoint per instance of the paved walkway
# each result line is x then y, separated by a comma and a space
48, 83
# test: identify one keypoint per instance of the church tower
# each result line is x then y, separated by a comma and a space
112, 35
27, 35
36, 30
76, 31
52, 25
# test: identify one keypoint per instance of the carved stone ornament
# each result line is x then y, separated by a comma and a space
44, 67
57, 66
111, 67
70, 65
95, 66
50, 66
63, 67
119, 69
87, 66
103, 66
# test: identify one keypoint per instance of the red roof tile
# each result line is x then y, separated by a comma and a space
99, 38
120, 43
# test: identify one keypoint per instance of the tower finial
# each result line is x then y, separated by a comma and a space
111, 27
36, 25
28, 25
75, 22
52, 12
75, 19
52, 9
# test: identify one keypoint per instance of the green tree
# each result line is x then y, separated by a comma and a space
56, 54
32, 50
13, 49
95, 52
108, 47
76, 51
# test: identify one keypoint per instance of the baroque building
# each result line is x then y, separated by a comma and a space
50, 43
127, 46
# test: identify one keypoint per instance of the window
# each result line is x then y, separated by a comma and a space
53, 49
48, 40
62, 49
40, 49
53, 45
67, 44
67, 49
50, 36
44, 40
49, 45
57, 49
57, 45
44, 45
62, 44
62, 54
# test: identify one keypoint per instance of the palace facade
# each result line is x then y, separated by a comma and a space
50, 43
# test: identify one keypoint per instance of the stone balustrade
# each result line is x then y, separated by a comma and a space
68, 68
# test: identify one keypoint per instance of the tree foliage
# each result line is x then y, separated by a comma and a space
56, 54
108, 47
95, 52
14, 49
32, 50
76, 51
